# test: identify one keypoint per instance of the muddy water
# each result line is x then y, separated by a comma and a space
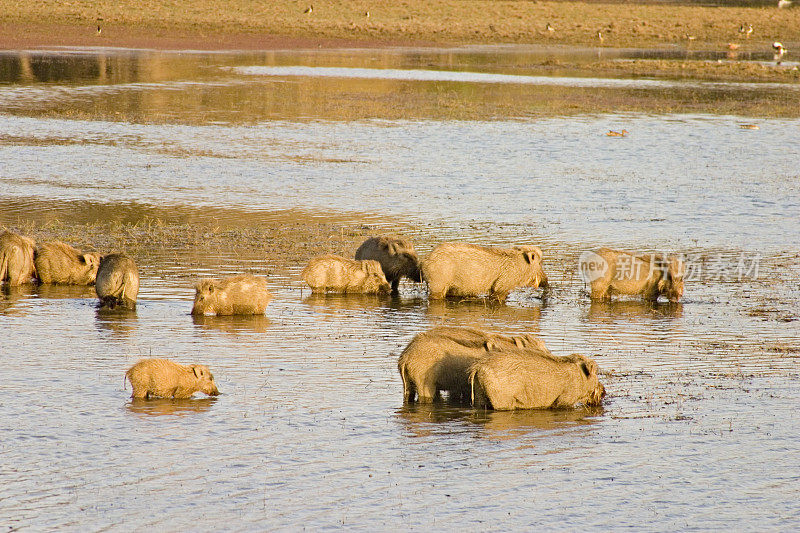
197, 168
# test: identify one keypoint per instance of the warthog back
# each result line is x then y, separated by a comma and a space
167, 379
117, 281
645, 275
335, 273
236, 295
16, 259
57, 262
460, 269
396, 256
439, 360
524, 380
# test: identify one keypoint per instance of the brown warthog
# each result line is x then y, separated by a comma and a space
335, 273
517, 379
439, 360
16, 259
647, 275
117, 283
460, 269
396, 256
237, 295
166, 379
57, 262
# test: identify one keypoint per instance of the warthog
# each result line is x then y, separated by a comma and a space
396, 256
439, 360
647, 275
460, 269
338, 274
237, 295
57, 262
166, 379
16, 259
517, 379
117, 281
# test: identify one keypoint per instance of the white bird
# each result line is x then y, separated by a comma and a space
779, 51
549, 28
308, 10
784, 3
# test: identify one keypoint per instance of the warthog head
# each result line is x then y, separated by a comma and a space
671, 283
407, 261
374, 280
92, 262
204, 296
205, 380
533, 256
595, 391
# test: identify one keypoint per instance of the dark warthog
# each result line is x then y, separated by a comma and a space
647, 275
517, 379
237, 295
16, 259
117, 281
57, 262
439, 360
166, 379
396, 256
338, 274
460, 269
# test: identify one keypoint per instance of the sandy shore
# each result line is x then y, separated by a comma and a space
247, 24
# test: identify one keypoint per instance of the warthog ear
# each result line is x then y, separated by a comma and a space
392, 248
588, 368
198, 371
489, 345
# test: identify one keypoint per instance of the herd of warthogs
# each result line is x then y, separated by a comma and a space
487, 370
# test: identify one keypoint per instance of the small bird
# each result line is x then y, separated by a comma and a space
366, 14
784, 3
308, 10
747, 29
99, 29
600, 36
779, 51
612, 133
550, 28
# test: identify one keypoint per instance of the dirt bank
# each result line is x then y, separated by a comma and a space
249, 24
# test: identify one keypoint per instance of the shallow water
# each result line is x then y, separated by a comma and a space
698, 431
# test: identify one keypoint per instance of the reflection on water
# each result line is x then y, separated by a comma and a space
117, 321
511, 424
52, 291
10, 297
469, 83
480, 77
467, 311
425, 420
631, 310
169, 406
233, 324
